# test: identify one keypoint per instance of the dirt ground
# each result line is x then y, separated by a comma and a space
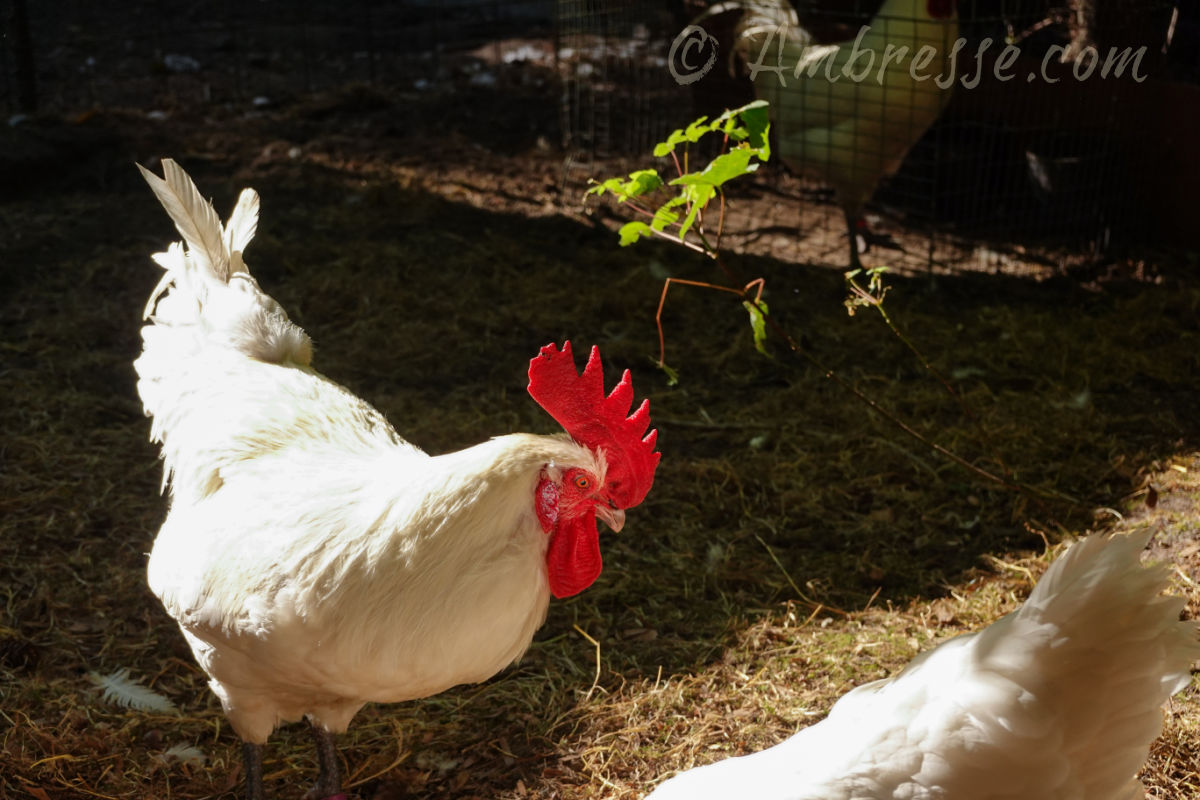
787, 518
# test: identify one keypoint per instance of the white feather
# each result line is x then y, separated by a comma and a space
182, 754
118, 688
194, 217
243, 223
1057, 701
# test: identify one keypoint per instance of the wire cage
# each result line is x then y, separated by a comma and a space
1023, 174
139, 53
617, 92
1029, 173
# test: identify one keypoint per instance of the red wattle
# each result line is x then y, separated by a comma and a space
573, 560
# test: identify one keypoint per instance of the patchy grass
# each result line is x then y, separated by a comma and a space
794, 545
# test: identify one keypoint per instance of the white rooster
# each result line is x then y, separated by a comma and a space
848, 113
1056, 701
316, 561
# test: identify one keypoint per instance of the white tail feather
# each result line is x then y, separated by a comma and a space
1058, 701
208, 286
243, 223
210, 325
1113, 650
194, 217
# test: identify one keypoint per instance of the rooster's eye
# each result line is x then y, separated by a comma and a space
582, 482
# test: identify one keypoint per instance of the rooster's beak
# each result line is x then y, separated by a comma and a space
613, 517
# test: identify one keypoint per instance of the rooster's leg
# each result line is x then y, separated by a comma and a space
252, 755
329, 779
853, 223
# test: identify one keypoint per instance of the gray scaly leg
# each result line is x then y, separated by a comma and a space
252, 756
329, 779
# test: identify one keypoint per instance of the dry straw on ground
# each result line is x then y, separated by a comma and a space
794, 544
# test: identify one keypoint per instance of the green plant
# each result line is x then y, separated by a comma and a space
680, 218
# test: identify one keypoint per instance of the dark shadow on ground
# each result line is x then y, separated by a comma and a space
773, 479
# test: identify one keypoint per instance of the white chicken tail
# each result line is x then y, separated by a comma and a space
1101, 649
1059, 700
207, 293
209, 323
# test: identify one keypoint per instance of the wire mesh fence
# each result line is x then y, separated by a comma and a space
1020, 162
145, 53
617, 94
1007, 171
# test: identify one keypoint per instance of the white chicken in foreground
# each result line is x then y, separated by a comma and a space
1059, 700
848, 113
316, 561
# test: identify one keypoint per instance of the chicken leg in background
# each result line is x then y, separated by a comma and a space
314, 560
839, 113
1059, 700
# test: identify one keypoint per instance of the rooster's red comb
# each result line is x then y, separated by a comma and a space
578, 403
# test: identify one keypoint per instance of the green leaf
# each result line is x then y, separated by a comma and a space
758, 324
722, 168
693, 133
753, 105
639, 183
611, 185
746, 123
664, 216
672, 374
698, 195
632, 231
697, 129
663, 148
758, 122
